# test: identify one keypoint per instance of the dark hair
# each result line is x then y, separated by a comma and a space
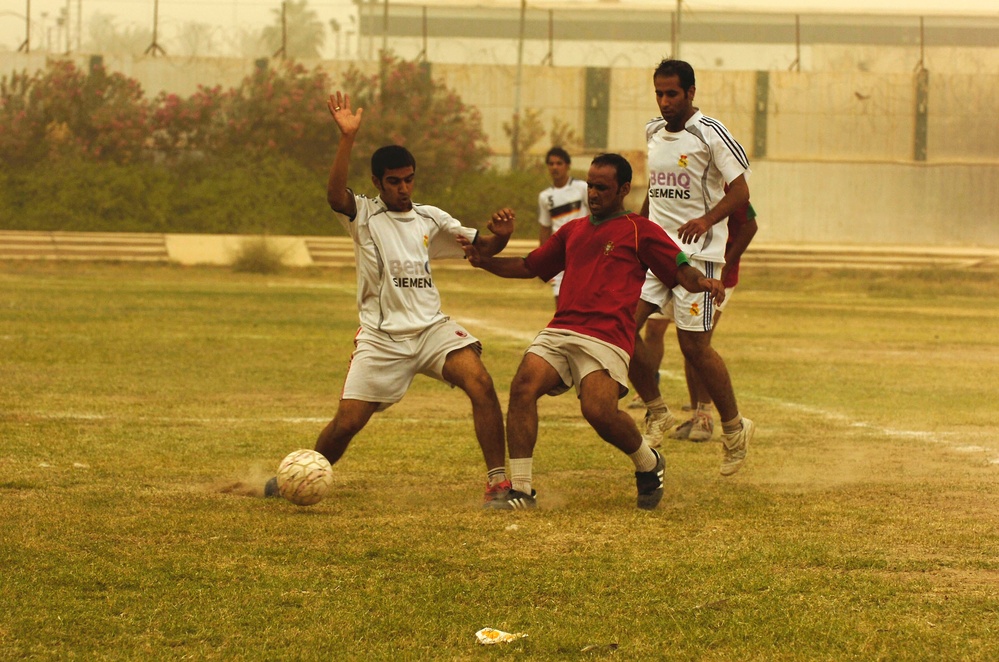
618, 162
390, 157
559, 152
677, 68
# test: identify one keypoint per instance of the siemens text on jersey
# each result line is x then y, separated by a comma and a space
408, 273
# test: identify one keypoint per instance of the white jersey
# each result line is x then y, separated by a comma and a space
688, 171
395, 289
556, 206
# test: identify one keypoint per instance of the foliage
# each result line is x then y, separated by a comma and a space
106, 37
278, 110
188, 126
71, 194
404, 105
272, 195
257, 255
523, 133
64, 111
304, 33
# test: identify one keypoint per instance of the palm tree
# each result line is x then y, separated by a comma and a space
304, 34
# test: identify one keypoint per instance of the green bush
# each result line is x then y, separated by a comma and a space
272, 195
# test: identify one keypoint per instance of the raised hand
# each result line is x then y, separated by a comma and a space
345, 118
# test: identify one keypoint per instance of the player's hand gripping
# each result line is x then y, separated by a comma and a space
715, 287
472, 253
348, 120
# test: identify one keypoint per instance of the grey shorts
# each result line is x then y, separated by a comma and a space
382, 368
574, 356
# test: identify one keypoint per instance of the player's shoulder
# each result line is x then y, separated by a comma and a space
653, 126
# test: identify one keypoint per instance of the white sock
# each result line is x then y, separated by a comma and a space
520, 474
644, 458
656, 405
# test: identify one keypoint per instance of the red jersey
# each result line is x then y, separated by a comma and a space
605, 267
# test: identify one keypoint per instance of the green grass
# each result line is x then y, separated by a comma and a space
141, 408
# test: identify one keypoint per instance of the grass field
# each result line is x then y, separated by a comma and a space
141, 408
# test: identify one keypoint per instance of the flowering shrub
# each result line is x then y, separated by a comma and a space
403, 105
64, 111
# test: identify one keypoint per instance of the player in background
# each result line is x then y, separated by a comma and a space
691, 158
742, 227
403, 331
588, 343
563, 201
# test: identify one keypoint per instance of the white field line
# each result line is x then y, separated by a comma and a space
843, 419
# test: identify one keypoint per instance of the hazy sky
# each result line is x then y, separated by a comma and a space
230, 16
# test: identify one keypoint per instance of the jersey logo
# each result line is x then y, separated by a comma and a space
695, 309
608, 247
460, 334
426, 241
683, 161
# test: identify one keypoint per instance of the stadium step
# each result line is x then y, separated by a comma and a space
97, 246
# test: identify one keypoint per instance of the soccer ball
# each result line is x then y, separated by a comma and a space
304, 477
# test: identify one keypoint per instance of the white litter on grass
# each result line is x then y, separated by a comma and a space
80, 465
487, 636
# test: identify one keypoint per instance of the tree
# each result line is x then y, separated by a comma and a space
196, 39
403, 105
306, 34
106, 37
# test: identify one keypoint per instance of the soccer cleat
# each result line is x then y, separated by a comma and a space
496, 491
656, 424
701, 427
734, 447
650, 484
636, 402
271, 488
513, 500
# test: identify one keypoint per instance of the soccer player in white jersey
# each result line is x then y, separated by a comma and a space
403, 331
691, 159
563, 201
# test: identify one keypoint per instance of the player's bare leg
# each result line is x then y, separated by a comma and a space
350, 418
598, 401
535, 377
737, 431
465, 369
642, 372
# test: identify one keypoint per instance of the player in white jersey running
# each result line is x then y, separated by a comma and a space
561, 202
691, 159
403, 331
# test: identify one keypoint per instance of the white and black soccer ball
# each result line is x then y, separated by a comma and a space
304, 477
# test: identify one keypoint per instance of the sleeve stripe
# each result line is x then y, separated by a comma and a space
727, 138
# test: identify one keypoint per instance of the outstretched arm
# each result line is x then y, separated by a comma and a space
694, 281
736, 196
501, 226
506, 267
337, 194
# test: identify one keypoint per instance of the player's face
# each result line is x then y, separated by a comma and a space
558, 170
396, 188
603, 193
676, 105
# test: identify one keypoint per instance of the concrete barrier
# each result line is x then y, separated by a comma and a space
310, 251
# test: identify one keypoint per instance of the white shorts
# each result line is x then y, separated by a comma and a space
382, 369
574, 356
666, 313
690, 311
